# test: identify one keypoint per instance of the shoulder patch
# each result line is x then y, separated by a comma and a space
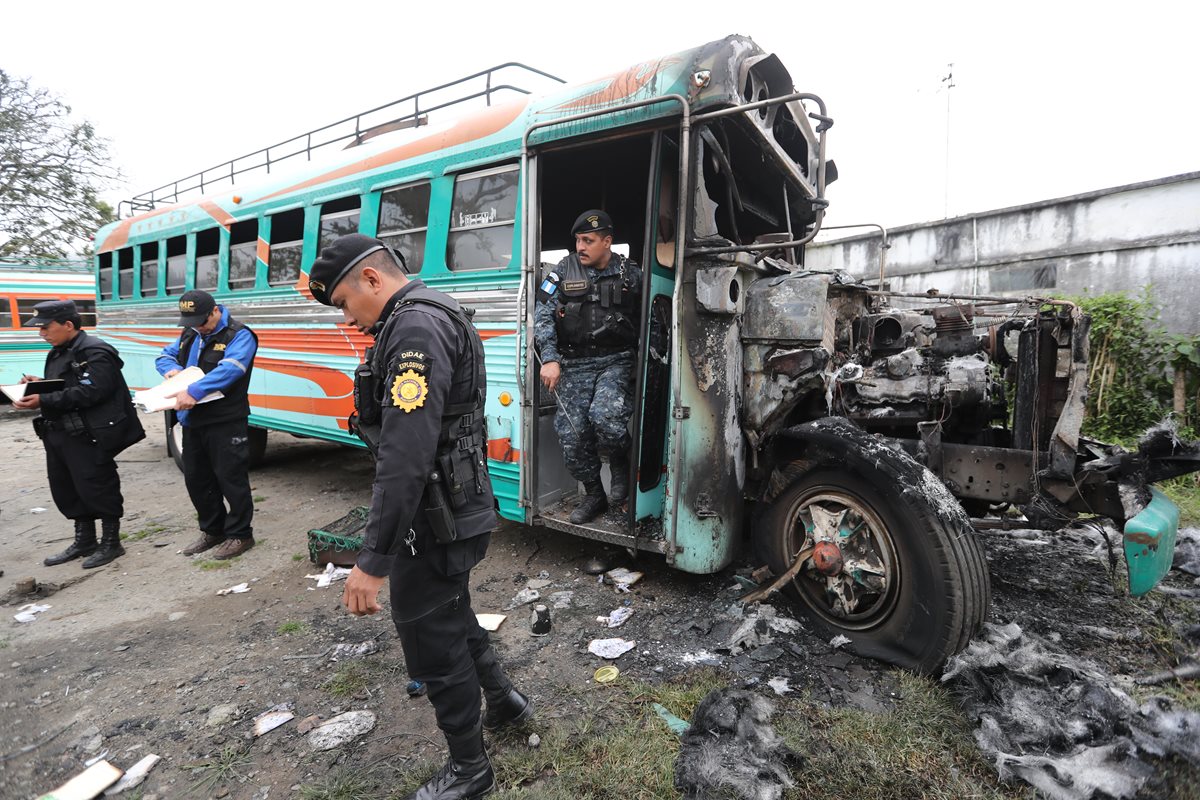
409, 390
411, 360
219, 346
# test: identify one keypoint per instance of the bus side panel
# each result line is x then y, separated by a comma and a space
503, 420
709, 455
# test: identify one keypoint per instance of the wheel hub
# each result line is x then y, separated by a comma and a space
827, 558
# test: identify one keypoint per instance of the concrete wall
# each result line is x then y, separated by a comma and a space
1119, 239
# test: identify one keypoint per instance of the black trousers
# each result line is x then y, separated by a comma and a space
444, 647
216, 469
83, 479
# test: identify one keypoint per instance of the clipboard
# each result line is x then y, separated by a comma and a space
17, 391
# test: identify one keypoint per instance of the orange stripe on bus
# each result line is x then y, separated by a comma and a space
465, 130
223, 217
502, 450
264, 250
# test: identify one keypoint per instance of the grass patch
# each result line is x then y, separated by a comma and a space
345, 784
292, 627
350, 679
4, 644
142, 533
258, 498
1184, 491
607, 743
298, 556
225, 767
210, 564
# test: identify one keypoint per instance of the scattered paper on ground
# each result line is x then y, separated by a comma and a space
272, 718
29, 612
621, 578
87, 784
524, 596
491, 622
341, 729
134, 775
616, 618
238, 589
610, 648
347, 650
839, 641
332, 573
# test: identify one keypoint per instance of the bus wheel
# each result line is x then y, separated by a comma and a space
174, 438
258, 441
885, 566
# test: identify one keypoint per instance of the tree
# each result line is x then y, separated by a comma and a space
51, 172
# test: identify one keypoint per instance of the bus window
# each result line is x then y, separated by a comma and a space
287, 247
403, 220
6, 320
176, 265
25, 310
106, 277
125, 273
149, 269
208, 248
87, 311
481, 220
338, 217
243, 254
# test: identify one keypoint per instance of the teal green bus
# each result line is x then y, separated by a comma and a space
22, 286
847, 437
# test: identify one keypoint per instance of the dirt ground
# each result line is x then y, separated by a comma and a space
134, 657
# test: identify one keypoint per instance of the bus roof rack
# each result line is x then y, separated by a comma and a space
348, 132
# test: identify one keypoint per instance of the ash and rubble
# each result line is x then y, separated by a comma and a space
1060, 723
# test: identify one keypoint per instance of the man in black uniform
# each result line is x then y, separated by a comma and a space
419, 398
216, 440
83, 426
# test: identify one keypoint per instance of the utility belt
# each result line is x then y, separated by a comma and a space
588, 350
71, 422
460, 458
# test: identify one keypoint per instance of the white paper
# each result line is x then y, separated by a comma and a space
156, 397
238, 589
610, 648
490, 622
134, 775
29, 612
616, 618
332, 573
15, 391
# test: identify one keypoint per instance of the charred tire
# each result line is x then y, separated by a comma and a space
258, 441
914, 571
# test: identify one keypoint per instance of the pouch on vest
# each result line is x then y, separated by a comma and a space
437, 510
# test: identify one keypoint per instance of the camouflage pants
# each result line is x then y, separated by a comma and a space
595, 399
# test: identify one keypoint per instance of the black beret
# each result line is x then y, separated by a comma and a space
49, 311
336, 261
592, 220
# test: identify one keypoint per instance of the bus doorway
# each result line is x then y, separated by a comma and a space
620, 176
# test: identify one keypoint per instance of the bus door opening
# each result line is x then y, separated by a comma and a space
613, 175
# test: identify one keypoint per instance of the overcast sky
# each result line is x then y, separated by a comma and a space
1049, 99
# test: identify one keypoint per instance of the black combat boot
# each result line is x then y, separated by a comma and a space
618, 465
467, 774
593, 504
506, 708
84, 544
110, 545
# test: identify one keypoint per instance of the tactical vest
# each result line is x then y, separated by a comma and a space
112, 424
594, 317
458, 502
236, 402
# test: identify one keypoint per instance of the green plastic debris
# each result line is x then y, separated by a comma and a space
677, 725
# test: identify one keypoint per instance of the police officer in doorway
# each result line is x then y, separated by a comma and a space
216, 440
419, 398
83, 426
586, 329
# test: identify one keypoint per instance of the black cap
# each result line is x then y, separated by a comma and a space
336, 261
194, 308
49, 311
592, 221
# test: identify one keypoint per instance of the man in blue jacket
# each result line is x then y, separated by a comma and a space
216, 457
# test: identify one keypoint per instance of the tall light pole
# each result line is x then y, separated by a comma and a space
948, 83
